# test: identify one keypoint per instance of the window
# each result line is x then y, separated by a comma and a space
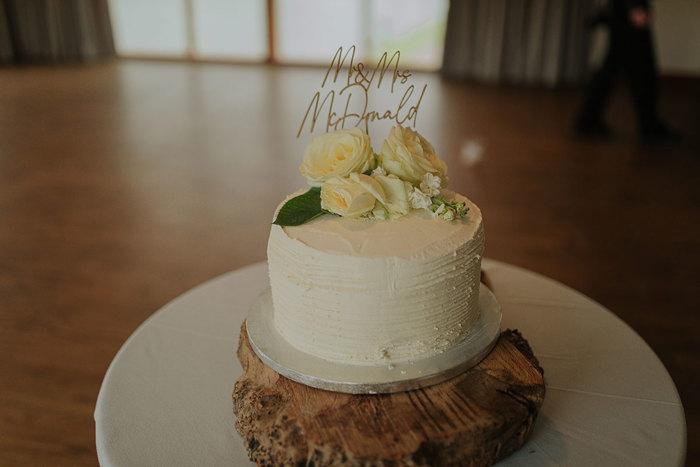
303, 31
155, 27
310, 31
230, 29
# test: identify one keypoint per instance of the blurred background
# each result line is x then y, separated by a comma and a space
513, 38
145, 144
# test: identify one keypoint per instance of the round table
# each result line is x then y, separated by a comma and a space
166, 397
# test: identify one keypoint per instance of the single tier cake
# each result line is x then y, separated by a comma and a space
376, 291
377, 263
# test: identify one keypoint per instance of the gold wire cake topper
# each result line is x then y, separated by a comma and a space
353, 107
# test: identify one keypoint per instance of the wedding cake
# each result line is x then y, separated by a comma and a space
377, 262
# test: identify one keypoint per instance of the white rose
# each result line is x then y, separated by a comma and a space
397, 203
406, 154
336, 154
370, 184
348, 197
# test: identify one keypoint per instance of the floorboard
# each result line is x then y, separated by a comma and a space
125, 183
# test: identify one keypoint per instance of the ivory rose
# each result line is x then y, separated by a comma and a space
397, 203
409, 156
350, 197
389, 190
336, 154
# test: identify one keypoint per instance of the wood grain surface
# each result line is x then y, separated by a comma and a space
475, 418
123, 184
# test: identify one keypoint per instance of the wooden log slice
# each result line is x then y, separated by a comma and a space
476, 418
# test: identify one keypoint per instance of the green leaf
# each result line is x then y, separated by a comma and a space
300, 209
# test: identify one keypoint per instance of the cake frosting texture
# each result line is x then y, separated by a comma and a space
371, 291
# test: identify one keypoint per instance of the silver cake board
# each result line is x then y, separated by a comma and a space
329, 375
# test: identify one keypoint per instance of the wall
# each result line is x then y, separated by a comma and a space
677, 32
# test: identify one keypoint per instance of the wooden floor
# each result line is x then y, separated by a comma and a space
124, 184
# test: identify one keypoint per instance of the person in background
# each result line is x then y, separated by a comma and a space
630, 50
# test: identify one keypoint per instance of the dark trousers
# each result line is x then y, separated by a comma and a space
631, 52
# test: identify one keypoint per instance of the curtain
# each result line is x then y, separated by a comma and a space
52, 31
542, 42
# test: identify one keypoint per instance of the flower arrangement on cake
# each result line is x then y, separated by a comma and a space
349, 179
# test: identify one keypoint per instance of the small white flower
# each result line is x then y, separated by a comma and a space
448, 215
430, 184
419, 200
379, 171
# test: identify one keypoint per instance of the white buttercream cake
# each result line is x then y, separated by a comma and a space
367, 291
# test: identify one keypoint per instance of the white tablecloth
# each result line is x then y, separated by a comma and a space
166, 397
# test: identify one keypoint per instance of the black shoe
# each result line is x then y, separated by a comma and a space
595, 130
659, 134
